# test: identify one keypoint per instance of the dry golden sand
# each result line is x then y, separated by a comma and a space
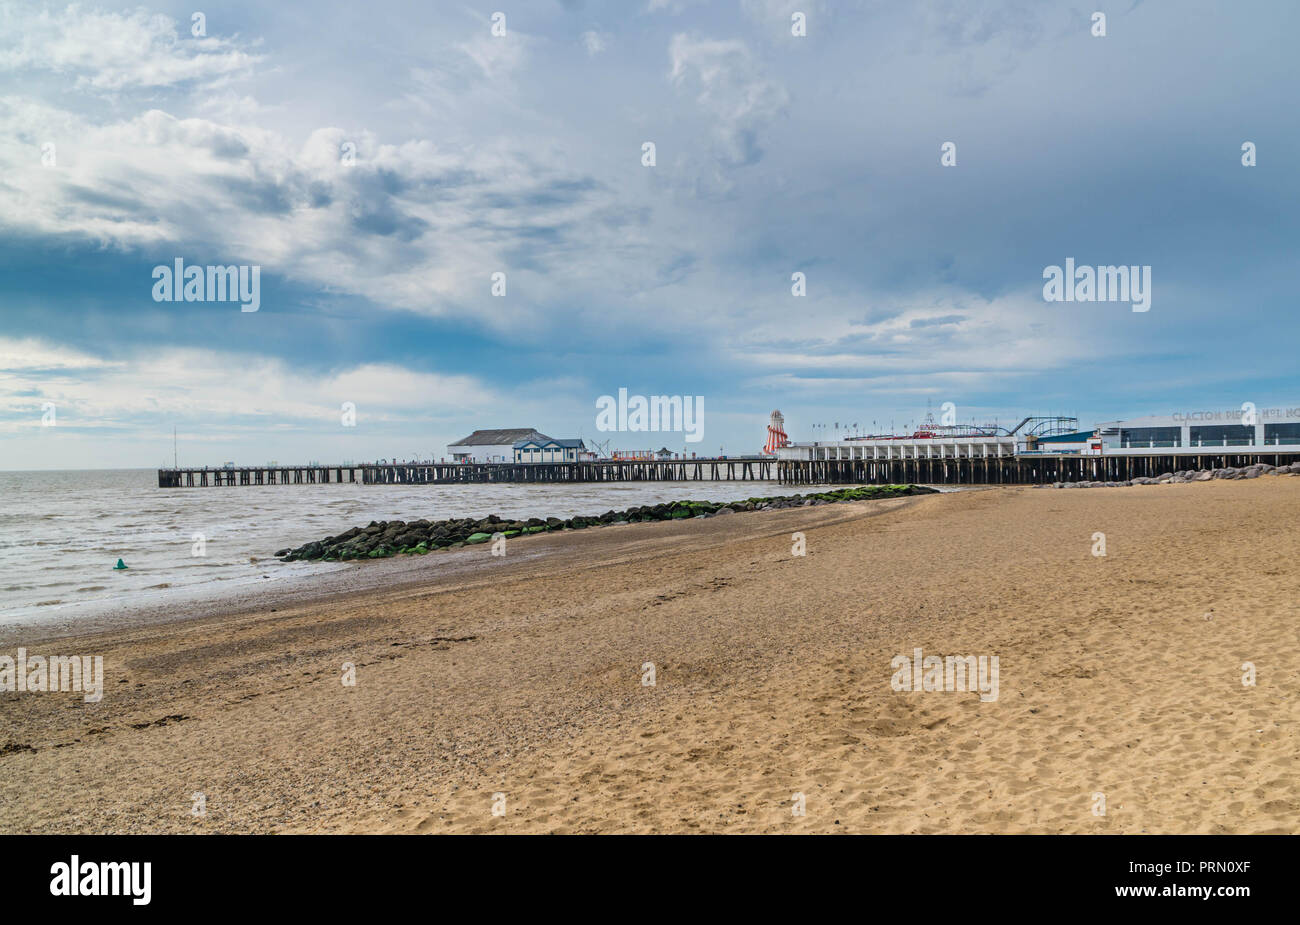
772, 678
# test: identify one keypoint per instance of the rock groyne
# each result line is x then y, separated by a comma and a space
381, 539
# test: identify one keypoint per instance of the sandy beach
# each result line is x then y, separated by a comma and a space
517, 682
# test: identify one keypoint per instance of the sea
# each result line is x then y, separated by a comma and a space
62, 532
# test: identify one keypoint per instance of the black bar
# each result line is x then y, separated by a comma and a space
941, 875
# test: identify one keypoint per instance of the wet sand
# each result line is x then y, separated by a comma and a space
517, 682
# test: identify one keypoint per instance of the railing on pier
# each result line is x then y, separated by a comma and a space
429, 473
1023, 469
256, 475
615, 470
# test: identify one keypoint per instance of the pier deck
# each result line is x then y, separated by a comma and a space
256, 475
427, 473
1024, 469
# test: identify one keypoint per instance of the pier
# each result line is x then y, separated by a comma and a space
615, 470
430, 473
256, 475
1019, 469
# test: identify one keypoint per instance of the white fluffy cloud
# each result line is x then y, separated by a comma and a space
109, 51
412, 225
731, 89
477, 154
91, 391
408, 226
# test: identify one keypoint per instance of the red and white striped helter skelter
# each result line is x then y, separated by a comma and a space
776, 436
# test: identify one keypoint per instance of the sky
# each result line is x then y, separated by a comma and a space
380, 162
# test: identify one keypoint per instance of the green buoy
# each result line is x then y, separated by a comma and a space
120, 565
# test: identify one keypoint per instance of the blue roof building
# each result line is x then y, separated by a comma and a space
542, 449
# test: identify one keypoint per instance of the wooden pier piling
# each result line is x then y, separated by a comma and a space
256, 475
429, 473
1026, 469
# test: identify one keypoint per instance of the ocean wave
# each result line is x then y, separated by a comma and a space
64, 551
